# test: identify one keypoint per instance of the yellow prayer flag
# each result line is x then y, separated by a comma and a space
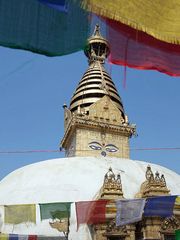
178, 200
3, 236
15, 214
160, 19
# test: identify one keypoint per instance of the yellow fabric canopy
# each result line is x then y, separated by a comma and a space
160, 19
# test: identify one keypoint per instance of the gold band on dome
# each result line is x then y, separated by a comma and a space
160, 19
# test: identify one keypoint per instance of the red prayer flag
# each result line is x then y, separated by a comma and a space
32, 237
91, 212
136, 49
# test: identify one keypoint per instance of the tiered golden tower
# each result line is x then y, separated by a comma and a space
95, 123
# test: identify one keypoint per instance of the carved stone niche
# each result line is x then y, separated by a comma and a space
113, 232
155, 185
170, 224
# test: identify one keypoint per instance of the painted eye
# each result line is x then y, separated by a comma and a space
95, 145
111, 148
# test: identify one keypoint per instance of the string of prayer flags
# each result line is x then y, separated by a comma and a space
163, 23
177, 234
29, 237
15, 214
60, 5
159, 206
129, 211
137, 39
32, 26
90, 212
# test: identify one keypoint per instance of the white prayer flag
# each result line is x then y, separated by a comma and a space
129, 211
22, 237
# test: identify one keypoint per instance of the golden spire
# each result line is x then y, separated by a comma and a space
96, 82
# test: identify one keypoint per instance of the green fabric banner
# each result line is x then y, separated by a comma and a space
33, 26
55, 210
15, 214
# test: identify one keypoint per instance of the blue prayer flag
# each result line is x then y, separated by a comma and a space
13, 236
60, 5
159, 206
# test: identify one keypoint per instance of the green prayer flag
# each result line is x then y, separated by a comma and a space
15, 214
55, 210
33, 26
177, 233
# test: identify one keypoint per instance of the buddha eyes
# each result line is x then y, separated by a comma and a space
98, 146
111, 148
95, 146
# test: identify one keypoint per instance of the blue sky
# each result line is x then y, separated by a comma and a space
33, 89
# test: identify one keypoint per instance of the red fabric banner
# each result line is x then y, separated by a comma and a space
91, 212
136, 49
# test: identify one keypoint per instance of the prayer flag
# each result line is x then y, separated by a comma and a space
55, 210
178, 200
159, 206
136, 49
15, 214
32, 237
177, 234
129, 211
60, 5
51, 238
13, 237
91, 212
60, 211
3, 236
160, 22
31, 25
23, 237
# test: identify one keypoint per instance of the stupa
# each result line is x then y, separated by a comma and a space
97, 164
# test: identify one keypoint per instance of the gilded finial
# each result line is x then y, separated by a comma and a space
97, 30
97, 48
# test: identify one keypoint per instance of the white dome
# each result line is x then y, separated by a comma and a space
71, 180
